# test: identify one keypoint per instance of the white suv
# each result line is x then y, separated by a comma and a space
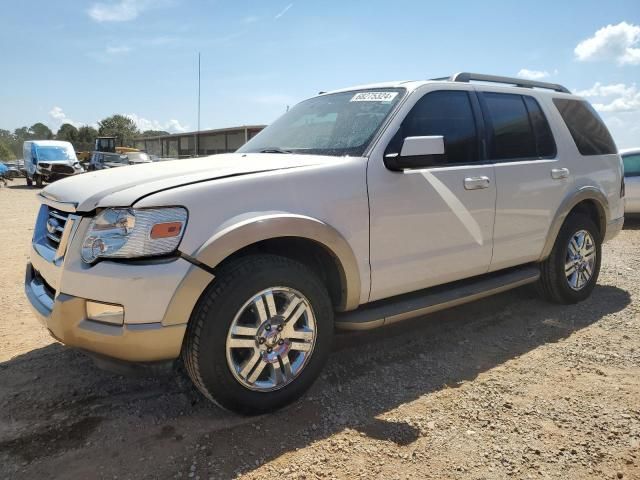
357, 208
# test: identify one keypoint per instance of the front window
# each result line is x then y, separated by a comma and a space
51, 154
631, 165
337, 124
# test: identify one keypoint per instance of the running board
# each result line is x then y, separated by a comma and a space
422, 302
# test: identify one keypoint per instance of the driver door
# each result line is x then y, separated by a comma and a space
433, 223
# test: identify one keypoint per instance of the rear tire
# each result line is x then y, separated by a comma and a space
571, 271
29, 182
259, 335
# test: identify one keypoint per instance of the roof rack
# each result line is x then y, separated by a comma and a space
518, 82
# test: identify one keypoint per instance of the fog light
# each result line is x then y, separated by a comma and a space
105, 312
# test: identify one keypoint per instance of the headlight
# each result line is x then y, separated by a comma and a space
132, 233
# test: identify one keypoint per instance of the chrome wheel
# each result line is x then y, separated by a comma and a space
271, 339
580, 260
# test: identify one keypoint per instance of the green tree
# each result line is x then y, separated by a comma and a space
153, 133
6, 152
6, 136
21, 134
121, 127
86, 138
68, 133
39, 131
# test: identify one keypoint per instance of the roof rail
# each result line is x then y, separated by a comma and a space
518, 82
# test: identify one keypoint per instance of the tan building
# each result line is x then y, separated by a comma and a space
192, 144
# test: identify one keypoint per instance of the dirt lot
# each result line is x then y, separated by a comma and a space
508, 387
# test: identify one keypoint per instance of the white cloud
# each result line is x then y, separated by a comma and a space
619, 106
58, 117
532, 74
172, 126
120, 11
283, 11
617, 97
619, 42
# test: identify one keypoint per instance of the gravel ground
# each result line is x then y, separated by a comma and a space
506, 387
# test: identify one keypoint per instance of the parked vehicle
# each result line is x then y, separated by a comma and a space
138, 157
103, 160
631, 161
14, 169
356, 209
4, 174
49, 160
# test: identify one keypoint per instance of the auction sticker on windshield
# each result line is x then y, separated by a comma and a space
374, 96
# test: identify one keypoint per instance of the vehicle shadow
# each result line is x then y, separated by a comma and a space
632, 222
369, 374
22, 187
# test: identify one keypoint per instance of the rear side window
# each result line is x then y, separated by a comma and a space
447, 113
510, 131
587, 129
631, 165
545, 144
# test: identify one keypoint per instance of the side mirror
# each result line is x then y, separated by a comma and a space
417, 152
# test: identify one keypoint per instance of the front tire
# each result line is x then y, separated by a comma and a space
259, 335
570, 273
38, 179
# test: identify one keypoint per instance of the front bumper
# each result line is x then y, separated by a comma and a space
65, 316
158, 296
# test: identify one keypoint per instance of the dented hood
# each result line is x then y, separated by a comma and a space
104, 188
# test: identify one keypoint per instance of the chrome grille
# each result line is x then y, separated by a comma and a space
56, 223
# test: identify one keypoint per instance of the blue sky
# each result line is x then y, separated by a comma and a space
80, 61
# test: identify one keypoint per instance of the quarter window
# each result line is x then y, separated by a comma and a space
631, 165
511, 133
587, 129
447, 113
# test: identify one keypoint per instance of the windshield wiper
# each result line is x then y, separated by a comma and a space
275, 150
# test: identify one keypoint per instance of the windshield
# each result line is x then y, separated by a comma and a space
337, 124
47, 154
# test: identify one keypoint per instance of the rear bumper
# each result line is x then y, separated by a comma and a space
613, 228
65, 316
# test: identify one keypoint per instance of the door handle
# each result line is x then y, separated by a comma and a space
559, 173
476, 183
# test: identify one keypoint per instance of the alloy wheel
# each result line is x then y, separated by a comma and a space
271, 339
580, 260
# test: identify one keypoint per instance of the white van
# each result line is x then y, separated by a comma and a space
49, 160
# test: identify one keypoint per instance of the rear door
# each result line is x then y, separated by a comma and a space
431, 225
530, 177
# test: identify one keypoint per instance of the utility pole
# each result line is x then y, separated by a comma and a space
197, 142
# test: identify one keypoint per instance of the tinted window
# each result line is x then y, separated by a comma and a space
631, 165
447, 113
510, 131
545, 144
587, 129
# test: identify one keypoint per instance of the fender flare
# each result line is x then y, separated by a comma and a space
278, 225
584, 193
